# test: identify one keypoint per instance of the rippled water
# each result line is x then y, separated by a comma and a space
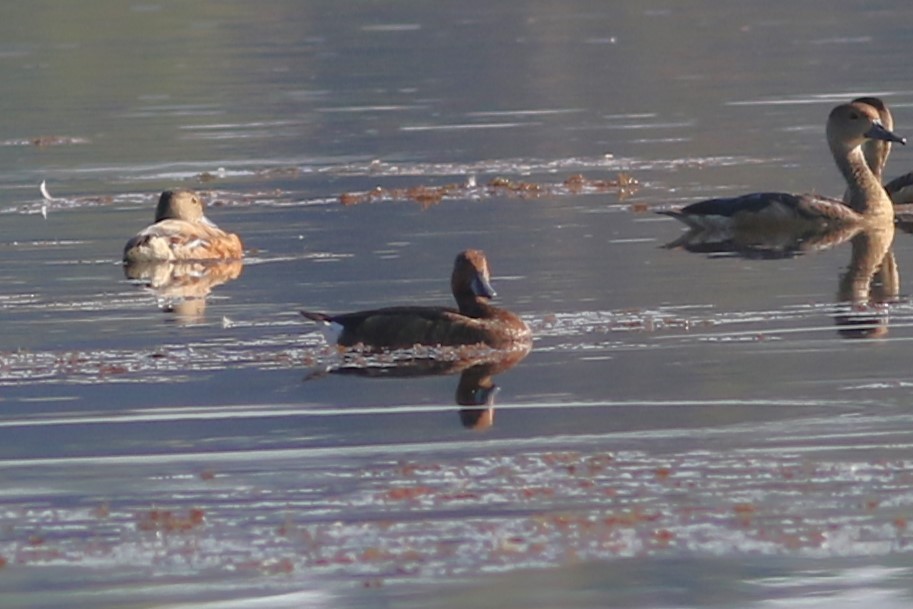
698, 424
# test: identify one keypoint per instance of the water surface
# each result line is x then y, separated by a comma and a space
691, 429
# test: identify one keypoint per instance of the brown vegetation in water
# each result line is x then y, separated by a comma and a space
426, 196
45, 141
166, 521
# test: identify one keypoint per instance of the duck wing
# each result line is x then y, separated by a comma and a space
763, 209
900, 189
405, 326
173, 239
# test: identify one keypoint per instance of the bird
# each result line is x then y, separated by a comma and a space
900, 189
475, 321
876, 151
848, 127
182, 232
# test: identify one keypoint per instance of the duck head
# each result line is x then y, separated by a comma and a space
850, 125
876, 151
180, 205
471, 278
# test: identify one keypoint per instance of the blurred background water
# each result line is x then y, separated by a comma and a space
691, 429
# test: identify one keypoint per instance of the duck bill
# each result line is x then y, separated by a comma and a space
878, 132
481, 287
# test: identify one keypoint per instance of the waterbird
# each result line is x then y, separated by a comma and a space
848, 127
900, 189
182, 232
475, 321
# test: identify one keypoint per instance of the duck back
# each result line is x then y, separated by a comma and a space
406, 326
179, 240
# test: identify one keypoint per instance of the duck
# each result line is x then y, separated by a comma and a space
900, 189
849, 126
182, 232
876, 151
475, 321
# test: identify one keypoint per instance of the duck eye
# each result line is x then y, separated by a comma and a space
853, 116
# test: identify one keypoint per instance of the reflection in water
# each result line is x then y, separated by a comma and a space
476, 390
784, 241
871, 280
182, 287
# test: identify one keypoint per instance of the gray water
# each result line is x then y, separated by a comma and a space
691, 428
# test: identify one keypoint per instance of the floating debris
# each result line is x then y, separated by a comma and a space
47, 197
166, 521
44, 141
427, 196
43, 187
57, 140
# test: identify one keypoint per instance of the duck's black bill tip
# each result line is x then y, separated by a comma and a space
878, 132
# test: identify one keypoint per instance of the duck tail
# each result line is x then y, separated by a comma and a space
321, 317
686, 219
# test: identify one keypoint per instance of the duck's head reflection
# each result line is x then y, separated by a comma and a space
181, 288
476, 393
476, 389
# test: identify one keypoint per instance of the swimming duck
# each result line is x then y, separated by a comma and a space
900, 189
876, 151
476, 321
182, 232
848, 127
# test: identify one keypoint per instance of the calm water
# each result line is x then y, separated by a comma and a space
693, 427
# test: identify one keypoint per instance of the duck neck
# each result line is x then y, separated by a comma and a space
473, 306
876, 156
866, 195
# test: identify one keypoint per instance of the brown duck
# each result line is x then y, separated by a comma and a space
182, 232
849, 126
475, 321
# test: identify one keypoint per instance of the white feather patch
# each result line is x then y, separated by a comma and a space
43, 187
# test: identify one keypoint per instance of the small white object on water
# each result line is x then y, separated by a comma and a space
471, 181
227, 323
43, 187
44, 191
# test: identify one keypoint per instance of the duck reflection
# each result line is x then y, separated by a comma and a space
475, 391
764, 243
868, 283
871, 280
181, 288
